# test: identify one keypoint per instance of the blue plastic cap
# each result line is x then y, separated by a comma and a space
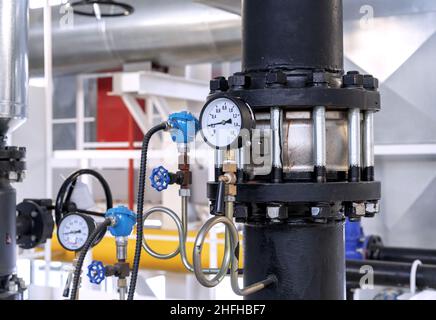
125, 220
184, 127
160, 178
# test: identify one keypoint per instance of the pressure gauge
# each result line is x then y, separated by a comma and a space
223, 120
74, 229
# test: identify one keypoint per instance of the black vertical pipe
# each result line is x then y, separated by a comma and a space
307, 259
8, 251
292, 34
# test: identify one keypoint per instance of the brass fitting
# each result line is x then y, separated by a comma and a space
230, 167
228, 178
231, 190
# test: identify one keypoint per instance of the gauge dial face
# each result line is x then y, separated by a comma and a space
221, 122
73, 232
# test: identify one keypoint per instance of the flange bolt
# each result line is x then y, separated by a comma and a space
370, 83
352, 79
219, 84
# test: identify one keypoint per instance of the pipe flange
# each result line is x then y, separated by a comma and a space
35, 223
297, 98
17, 153
294, 193
12, 166
14, 171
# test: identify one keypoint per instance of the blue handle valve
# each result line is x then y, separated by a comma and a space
160, 178
96, 272
183, 127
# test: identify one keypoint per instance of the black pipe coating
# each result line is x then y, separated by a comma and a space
307, 259
292, 34
8, 250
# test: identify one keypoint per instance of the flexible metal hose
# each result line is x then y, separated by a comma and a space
140, 204
78, 269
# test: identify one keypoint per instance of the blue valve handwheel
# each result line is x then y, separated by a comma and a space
160, 178
96, 272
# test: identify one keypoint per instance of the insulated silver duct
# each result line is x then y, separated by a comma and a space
14, 64
167, 32
13, 110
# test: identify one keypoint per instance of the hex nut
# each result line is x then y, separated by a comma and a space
372, 208
352, 79
370, 83
183, 192
219, 84
277, 212
320, 77
319, 212
238, 80
276, 77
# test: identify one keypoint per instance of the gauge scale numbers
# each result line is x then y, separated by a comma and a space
221, 122
73, 232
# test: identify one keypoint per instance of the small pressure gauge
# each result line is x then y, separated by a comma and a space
74, 229
222, 121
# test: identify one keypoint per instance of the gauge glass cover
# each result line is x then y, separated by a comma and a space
221, 122
73, 232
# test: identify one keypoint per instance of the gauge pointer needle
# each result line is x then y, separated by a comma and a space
224, 122
73, 232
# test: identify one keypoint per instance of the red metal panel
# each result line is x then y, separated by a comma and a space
113, 116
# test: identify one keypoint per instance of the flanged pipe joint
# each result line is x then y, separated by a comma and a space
315, 164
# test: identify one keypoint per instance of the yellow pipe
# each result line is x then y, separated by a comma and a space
163, 241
